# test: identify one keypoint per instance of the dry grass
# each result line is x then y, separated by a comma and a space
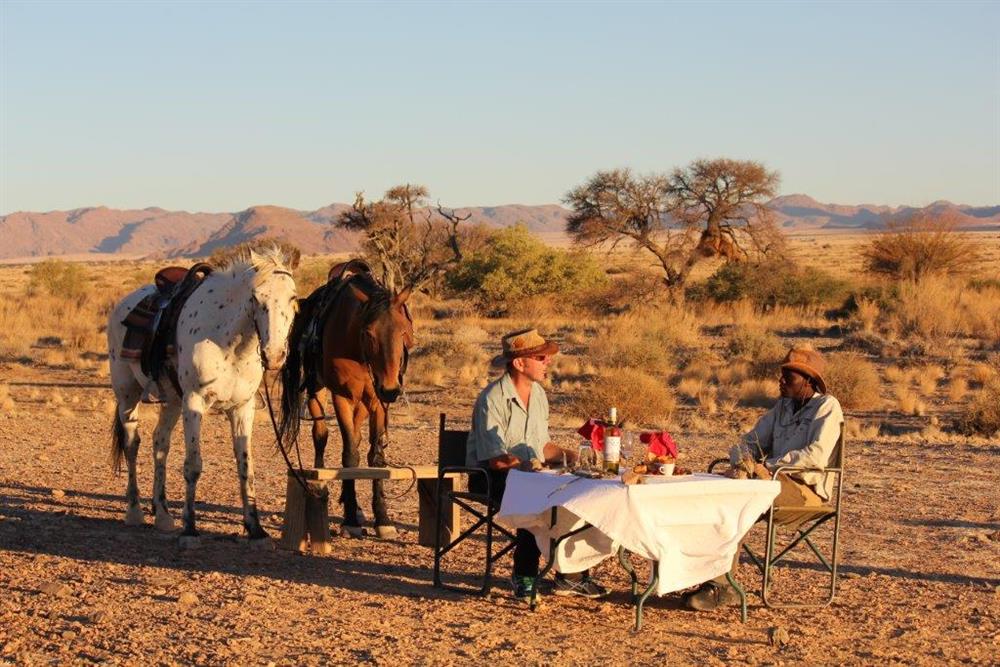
757, 393
958, 387
6, 402
981, 415
642, 400
853, 380
982, 373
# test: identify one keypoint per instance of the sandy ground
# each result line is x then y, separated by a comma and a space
920, 570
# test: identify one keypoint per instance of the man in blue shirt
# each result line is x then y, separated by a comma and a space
510, 429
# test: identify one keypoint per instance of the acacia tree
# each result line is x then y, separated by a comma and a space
408, 242
711, 208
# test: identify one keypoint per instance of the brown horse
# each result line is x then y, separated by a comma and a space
351, 341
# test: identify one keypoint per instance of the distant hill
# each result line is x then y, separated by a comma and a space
160, 233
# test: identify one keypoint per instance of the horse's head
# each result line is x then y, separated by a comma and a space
273, 306
386, 339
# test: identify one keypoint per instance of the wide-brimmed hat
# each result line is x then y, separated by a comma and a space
525, 343
807, 361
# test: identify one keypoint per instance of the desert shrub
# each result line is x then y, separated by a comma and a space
773, 284
919, 246
928, 308
58, 278
643, 400
982, 414
761, 349
757, 393
853, 380
647, 340
457, 356
515, 265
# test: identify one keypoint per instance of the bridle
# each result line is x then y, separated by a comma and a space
256, 327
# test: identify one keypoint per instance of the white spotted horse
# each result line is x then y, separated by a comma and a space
227, 328
350, 341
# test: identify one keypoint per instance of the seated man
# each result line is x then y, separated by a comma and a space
510, 429
802, 429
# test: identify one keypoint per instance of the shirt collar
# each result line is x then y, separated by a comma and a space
509, 392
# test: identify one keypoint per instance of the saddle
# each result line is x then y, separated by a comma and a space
151, 326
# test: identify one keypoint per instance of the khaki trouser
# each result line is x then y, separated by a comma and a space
793, 496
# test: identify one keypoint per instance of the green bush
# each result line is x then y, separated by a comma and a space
515, 265
771, 284
58, 278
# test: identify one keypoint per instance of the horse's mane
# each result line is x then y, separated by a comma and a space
262, 261
379, 297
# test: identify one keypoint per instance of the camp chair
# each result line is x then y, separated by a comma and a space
807, 521
451, 459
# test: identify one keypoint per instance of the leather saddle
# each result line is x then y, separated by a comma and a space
151, 326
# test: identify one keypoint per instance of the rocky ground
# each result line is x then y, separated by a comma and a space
920, 568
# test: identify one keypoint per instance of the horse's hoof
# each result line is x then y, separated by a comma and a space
134, 516
164, 523
352, 531
189, 542
386, 532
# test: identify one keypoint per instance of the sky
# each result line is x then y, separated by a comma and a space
218, 106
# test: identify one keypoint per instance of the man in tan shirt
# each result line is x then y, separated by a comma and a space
802, 429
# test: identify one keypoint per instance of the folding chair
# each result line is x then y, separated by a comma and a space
478, 503
803, 521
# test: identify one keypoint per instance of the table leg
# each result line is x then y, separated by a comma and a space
553, 547
654, 578
743, 595
627, 566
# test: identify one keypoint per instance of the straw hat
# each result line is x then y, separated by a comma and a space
526, 343
807, 361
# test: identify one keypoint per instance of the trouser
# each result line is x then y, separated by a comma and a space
794, 494
526, 552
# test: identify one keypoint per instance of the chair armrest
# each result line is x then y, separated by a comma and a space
469, 471
790, 468
716, 462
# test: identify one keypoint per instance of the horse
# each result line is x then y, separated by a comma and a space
350, 341
232, 326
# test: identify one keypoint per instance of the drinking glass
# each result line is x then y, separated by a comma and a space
586, 459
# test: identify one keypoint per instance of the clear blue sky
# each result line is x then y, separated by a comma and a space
219, 106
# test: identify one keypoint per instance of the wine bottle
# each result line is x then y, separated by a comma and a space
612, 442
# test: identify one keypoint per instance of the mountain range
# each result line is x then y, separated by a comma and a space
156, 232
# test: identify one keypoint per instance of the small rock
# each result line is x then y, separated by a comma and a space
55, 589
187, 599
995, 536
58, 493
68, 634
159, 592
777, 636
97, 617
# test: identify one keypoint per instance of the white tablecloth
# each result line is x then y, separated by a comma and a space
691, 524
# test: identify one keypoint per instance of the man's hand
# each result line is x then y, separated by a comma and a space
553, 454
504, 462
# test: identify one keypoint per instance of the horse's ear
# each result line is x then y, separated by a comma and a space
401, 298
358, 294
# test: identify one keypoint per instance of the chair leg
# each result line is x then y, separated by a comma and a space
743, 595
770, 561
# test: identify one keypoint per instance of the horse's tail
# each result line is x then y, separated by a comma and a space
291, 377
118, 442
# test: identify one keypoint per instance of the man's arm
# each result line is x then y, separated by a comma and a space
490, 446
553, 453
761, 434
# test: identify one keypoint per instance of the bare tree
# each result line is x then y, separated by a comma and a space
408, 242
711, 208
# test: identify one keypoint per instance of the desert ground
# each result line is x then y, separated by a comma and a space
920, 536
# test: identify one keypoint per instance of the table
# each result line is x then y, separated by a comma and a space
690, 526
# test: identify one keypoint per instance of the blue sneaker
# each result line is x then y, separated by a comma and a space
584, 587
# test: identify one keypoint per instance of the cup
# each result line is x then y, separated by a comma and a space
667, 468
587, 458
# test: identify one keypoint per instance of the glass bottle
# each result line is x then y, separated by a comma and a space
612, 442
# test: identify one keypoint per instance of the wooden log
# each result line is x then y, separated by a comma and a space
407, 473
293, 532
430, 496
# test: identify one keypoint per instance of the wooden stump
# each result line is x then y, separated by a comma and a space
306, 517
430, 496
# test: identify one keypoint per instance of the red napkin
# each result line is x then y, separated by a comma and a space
660, 443
593, 430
